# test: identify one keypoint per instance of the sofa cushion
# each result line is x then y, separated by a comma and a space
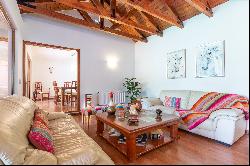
39, 157
72, 143
194, 97
226, 113
41, 137
167, 110
209, 125
149, 102
183, 94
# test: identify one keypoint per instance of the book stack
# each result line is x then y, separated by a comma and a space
156, 135
141, 140
122, 139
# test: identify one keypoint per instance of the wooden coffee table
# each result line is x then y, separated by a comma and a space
147, 123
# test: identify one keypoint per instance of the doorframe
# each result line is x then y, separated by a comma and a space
55, 47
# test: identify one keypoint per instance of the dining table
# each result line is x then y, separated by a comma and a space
63, 89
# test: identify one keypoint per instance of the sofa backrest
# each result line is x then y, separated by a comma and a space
194, 97
183, 94
16, 116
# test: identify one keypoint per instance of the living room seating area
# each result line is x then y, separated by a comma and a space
124, 82
233, 119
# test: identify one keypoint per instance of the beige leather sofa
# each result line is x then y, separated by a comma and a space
72, 145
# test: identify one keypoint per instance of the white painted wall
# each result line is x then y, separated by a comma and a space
230, 23
64, 64
96, 47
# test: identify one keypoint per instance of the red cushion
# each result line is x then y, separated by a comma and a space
41, 137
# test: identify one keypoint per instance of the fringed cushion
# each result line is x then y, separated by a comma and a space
41, 137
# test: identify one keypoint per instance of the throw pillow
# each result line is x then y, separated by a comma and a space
174, 102
41, 116
41, 137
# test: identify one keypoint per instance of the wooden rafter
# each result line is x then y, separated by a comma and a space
77, 21
152, 22
201, 6
101, 11
124, 18
85, 16
113, 8
135, 19
144, 5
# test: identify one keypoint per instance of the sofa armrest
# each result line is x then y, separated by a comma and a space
149, 102
229, 113
55, 115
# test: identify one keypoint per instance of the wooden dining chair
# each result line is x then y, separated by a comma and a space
39, 90
58, 96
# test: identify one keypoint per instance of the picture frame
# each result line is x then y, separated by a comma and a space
176, 64
210, 60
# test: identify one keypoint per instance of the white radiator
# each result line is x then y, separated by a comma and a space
119, 97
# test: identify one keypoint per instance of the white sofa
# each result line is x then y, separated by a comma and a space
225, 126
72, 145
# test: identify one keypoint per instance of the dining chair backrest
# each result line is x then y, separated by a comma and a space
74, 84
38, 86
67, 84
54, 83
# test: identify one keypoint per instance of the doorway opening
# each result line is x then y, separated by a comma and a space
51, 76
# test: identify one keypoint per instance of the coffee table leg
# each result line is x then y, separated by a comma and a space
100, 127
131, 147
174, 131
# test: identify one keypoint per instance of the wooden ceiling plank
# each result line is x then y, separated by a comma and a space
201, 6
105, 14
77, 21
143, 5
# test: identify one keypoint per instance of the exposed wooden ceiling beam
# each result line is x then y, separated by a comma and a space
77, 21
101, 19
143, 5
113, 8
152, 22
201, 6
85, 16
124, 18
101, 11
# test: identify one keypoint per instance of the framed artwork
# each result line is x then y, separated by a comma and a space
210, 60
176, 64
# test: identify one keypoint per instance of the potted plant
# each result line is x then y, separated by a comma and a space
133, 89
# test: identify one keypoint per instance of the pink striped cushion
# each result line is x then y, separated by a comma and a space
174, 102
41, 137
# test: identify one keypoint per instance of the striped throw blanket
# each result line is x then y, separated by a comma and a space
211, 102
